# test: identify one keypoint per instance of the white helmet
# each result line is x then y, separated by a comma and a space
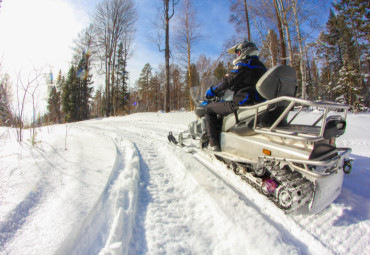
243, 49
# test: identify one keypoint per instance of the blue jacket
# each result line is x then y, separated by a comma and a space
242, 79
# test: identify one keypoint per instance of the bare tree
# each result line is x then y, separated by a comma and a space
270, 49
240, 16
112, 20
203, 65
25, 87
85, 44
281, 33
283, 12
163, 23
186, 35
34, 105
268, 14
302, 63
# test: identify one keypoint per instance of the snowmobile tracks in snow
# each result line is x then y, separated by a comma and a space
179, 200
108, 227
203, 182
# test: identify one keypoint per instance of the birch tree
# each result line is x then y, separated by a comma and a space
186, 36
302, 62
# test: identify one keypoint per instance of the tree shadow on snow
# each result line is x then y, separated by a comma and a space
18, 216
355, 191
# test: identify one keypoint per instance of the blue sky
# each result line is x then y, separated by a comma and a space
40, 33
213, 19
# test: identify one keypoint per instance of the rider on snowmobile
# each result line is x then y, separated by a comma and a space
242, 81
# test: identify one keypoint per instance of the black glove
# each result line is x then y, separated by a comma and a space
210, 94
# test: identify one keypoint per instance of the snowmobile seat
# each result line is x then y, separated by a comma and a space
278, 81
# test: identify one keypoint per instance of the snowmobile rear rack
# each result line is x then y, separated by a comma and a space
311, 133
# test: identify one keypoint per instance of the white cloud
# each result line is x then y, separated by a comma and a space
38, 33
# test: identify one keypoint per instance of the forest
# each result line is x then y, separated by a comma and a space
335, 65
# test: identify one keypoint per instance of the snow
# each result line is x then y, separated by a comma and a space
116, 186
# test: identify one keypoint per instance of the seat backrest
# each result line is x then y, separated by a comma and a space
278, 81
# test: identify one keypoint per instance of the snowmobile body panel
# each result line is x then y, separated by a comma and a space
252, 147
289, 158
326, 190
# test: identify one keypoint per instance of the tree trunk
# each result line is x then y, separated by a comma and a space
281, 34
283, 17
247, 19
301, 50
167, 57
189, 58
107, 83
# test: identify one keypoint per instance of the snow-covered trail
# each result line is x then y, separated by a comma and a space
121, 188
167, 175
185, 208
54, 196
329, 232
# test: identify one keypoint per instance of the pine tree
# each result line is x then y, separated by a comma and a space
177, 88
122, 95
144, 86
220, 71
356, 14
83, 87
334, 47
6, 118
69, 96
54, 100
155, 92
53, 104
348, 87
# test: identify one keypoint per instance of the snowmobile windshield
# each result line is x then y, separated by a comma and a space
197, 92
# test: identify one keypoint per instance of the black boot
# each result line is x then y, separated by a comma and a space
214, 145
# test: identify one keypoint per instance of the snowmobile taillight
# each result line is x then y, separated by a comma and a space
332, 141
267, 152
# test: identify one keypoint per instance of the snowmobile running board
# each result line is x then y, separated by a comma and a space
231, 157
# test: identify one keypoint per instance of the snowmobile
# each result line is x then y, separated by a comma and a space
284, 147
